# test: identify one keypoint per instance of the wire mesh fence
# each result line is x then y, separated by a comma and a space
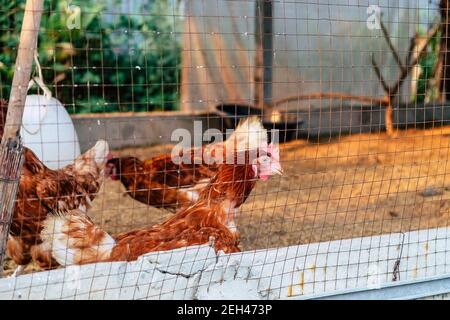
350, 100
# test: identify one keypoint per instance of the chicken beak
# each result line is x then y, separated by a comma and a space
278, 170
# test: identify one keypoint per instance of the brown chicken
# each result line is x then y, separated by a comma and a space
75, 239
43, 191
160, 182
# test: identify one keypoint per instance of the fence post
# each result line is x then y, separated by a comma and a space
11, 150
263, 53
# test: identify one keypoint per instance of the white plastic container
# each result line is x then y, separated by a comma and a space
48, 130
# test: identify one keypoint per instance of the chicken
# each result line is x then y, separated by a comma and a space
160, 182
43, 191
75, 239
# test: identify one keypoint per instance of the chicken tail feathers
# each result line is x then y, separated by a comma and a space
96, 157
75, 239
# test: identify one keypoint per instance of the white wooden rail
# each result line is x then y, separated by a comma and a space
352, 268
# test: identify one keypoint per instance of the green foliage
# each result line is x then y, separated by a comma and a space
426, 91
9, 11
113, 62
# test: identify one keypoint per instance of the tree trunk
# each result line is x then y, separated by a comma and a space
388, 120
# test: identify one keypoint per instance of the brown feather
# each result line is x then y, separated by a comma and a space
210, 217
158, 181
162, 183
195, 225
43, 191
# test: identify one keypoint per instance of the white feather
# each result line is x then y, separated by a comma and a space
101, 151
249, 135
191, 194
56, 239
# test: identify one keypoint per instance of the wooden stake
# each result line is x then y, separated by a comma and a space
11, 150
24, 64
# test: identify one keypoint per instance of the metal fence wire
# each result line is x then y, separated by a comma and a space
331, 118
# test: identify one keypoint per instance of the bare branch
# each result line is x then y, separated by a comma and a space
332, 95
412, 46
419, 50
422, 44
380, 75
387, 37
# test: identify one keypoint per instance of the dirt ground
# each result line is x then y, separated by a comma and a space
351, 186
